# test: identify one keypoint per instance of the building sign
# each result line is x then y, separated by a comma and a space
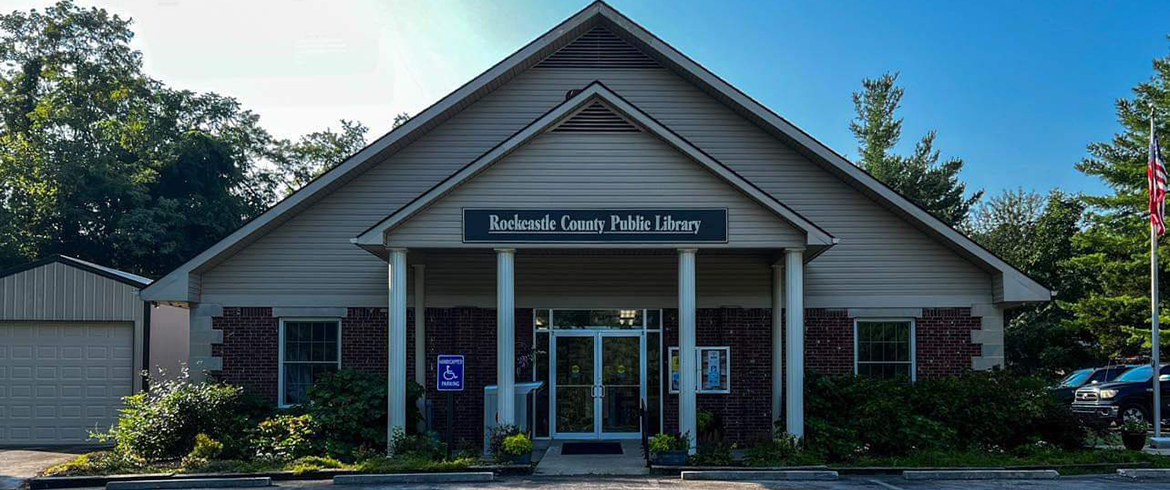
450, 373
595, 225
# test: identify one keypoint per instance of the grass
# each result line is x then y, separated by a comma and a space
109, 463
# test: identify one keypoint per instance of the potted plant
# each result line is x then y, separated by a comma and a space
517, 449
669, 449
1133, 434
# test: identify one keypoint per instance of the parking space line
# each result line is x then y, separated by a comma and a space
886, 485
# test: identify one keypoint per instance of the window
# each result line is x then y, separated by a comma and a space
884, 348
308, 349
714, 370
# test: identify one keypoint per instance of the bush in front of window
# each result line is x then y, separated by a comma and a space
349, 409
284, 438
162, 424
855, 417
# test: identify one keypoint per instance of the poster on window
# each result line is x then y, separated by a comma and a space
714, 369
675, 378
713, 366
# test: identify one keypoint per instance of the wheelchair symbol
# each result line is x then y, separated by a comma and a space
448, 374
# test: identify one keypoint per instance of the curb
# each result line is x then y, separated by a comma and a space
1145, 473
263, 481
485, 476
757, 475
982, 475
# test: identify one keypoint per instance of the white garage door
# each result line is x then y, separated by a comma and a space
60, 380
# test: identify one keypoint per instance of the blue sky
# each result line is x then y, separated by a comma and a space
1017, 89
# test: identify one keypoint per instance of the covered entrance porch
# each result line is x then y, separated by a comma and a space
608, 331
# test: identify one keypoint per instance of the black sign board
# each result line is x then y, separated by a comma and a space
595, 225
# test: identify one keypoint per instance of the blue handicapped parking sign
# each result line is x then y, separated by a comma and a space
450, 373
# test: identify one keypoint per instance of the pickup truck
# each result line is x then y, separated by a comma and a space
1129, 397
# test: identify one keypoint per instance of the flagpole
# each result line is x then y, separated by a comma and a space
1155, 342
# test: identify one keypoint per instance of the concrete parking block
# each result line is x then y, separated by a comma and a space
1145, 473
466, 477
761, 475
981, 475
261, 481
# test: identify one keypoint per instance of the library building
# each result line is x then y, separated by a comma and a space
596, 238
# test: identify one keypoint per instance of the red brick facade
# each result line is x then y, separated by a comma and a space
250, 354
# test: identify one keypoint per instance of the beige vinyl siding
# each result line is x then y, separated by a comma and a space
58, 292
647, 279
596, 170
881, 260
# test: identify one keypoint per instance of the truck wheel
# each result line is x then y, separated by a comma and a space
1134, 412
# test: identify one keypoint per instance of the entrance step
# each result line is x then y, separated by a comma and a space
630, 462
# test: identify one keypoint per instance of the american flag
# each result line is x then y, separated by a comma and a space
1156, 173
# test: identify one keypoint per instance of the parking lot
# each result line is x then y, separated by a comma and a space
1101, 482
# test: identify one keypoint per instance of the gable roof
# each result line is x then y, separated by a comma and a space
1013, 285
101, 270
372, 238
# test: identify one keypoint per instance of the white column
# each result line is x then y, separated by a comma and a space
686, 344
794, 344
396, 340
505, 337
777, 342
420, 333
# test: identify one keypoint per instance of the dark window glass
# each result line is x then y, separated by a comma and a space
310, 351
884, 349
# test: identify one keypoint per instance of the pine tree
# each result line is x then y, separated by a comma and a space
1113, 251
919, 176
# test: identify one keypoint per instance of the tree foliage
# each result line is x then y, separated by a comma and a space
1113, 252
918, 176
100, 161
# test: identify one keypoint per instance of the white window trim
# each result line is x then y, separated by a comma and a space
280, 355
699, 349
913, 343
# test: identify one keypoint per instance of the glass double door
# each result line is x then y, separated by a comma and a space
597, 384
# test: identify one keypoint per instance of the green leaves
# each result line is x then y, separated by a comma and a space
919, 176
101, 161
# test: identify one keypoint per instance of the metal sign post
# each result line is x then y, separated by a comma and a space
449, 379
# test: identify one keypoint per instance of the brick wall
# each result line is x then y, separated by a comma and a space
472, 333
745, 413
250, 355
250, 348
943, 338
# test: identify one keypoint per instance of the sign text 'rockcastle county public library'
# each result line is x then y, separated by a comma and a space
595, 225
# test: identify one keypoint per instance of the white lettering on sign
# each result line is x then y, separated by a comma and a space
616, 224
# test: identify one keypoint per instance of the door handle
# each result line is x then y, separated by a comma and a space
601, 390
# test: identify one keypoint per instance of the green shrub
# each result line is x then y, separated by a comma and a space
206, 449
783, 450
497, 436
284, 437
161, 424
517, 445
712, 453
349, 408
424, 446
853, 417
663, 443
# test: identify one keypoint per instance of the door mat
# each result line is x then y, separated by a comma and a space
576, 448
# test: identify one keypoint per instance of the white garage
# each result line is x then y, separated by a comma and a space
71, 346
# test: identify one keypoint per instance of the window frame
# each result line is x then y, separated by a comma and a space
913, 343
280, 354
